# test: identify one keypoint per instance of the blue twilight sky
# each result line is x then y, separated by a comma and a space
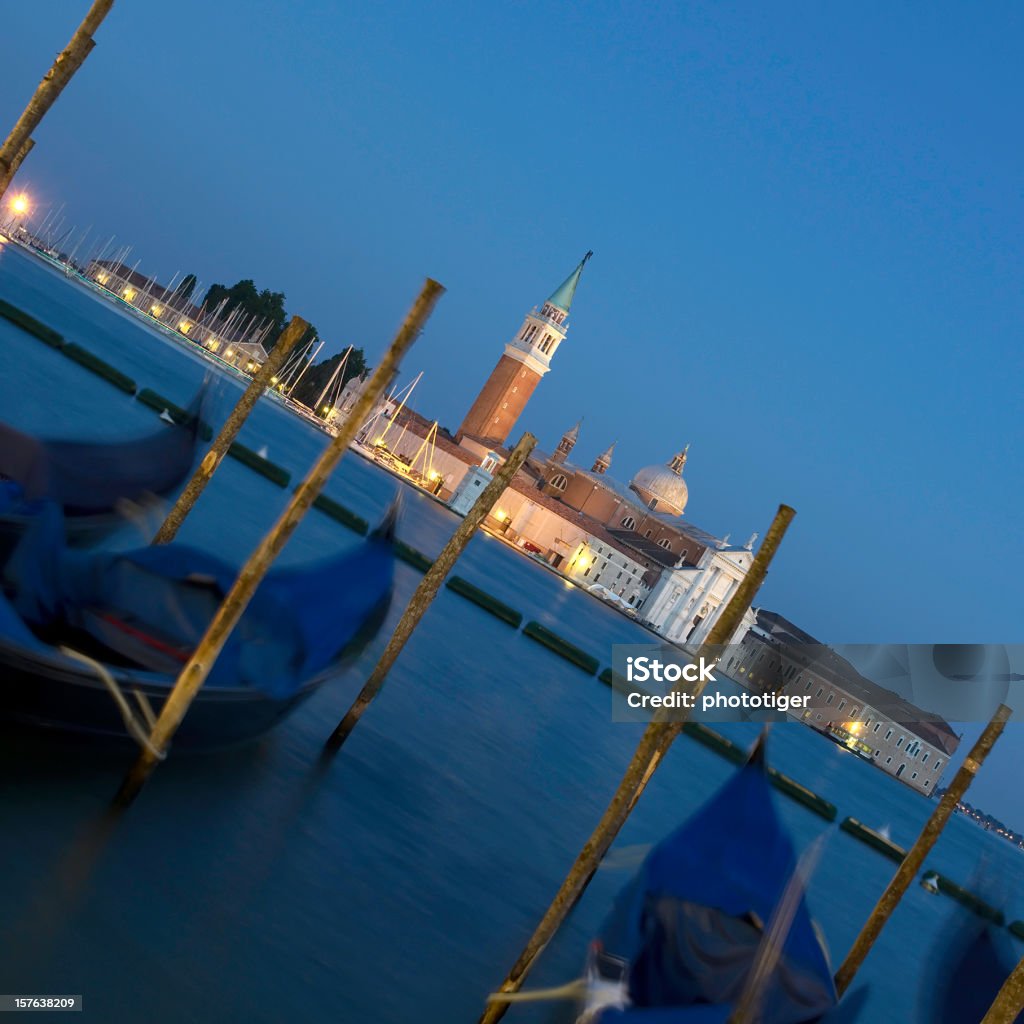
807, 223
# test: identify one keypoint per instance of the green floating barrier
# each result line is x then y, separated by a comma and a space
802, 795
553, 642
968, 899
100, 367
31, 325
271, 470
157, 402
411, 556
715, 741
340, 514
873, 839
1016, 928
490, 604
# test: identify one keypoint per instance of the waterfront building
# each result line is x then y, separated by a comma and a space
903, 740
629, 540
229, 338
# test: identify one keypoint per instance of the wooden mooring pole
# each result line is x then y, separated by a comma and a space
289, 338
68, 61
428, 588
198, 667
7, 173
653, 745
907, 871
1009, 1003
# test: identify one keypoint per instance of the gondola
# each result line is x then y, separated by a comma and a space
91, 642
969, 972
684, 936
88, 479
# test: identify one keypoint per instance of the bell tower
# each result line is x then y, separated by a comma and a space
527, 357
568, 442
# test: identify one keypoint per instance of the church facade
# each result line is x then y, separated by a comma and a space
627, 542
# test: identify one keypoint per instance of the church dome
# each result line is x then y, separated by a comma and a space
663, 488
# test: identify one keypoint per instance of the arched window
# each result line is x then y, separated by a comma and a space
628, 522
665, 543
559, 480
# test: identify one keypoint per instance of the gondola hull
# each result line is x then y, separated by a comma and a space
61, 697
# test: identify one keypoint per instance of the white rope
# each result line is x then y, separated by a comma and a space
570, 990
132, 724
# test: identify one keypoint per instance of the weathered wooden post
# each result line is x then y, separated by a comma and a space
428, 588
290, 337
7, 176
64, 67
194, 674
1009, 1002
907, 871
653, 745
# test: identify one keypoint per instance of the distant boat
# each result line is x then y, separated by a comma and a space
686, 935
92, 642
968, 972
263, 452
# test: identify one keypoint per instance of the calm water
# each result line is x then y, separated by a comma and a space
398, 884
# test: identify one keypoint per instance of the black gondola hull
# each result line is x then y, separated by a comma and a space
43, 693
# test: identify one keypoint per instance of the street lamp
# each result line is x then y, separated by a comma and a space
20, 205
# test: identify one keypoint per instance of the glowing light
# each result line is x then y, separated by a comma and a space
129, 293
230, 352
433, 474
103, 278
184, 326
583, 561
855, 727
327, 408
156, 310
20, 204
501, 515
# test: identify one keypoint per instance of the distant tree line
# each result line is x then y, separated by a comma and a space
315, 379
269, 306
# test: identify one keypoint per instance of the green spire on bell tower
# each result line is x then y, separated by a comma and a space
563, 294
